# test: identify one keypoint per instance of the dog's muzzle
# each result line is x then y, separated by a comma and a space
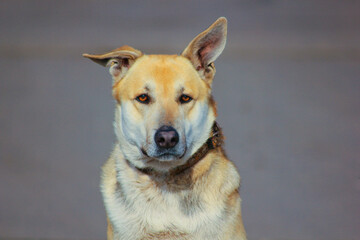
167, 145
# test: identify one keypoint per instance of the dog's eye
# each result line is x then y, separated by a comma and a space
185, 98
143, 98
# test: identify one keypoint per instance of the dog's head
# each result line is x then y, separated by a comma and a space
164, 109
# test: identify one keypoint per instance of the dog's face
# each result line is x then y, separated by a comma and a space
164, 110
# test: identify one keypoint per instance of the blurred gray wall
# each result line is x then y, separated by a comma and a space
288, 93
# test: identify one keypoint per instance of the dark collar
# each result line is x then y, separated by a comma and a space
215, 141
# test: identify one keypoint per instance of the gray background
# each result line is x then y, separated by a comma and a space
288, 93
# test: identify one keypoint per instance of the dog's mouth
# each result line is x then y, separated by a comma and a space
144, 152
166, 155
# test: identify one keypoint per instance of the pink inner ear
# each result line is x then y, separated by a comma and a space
207, 48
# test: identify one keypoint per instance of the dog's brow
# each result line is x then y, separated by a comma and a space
146, 87
182, 89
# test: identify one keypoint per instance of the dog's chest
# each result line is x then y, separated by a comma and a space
141, 209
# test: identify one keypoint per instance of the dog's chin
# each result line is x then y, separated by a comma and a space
167, 157
164, 160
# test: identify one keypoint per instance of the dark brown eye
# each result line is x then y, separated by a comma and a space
143, 98
185, 98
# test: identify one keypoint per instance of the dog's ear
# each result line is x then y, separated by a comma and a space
205, 48
118, 60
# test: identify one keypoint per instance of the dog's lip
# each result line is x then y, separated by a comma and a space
183, 153
162, 155
144, 152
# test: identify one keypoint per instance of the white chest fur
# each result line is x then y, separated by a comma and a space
139, 207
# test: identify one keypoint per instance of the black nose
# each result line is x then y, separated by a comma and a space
166, 137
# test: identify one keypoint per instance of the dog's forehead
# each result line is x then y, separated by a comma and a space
163, 70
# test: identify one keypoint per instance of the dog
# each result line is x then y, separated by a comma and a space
168, 176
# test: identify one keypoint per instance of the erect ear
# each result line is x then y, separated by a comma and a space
206, 47
119, 60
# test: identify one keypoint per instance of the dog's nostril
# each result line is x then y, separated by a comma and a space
174, 140
166, 137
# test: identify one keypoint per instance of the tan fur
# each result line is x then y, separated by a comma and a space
201, 202
110, 231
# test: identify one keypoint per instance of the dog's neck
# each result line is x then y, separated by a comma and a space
216, 140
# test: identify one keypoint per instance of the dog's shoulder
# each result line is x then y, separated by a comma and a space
108, 171
218, 174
